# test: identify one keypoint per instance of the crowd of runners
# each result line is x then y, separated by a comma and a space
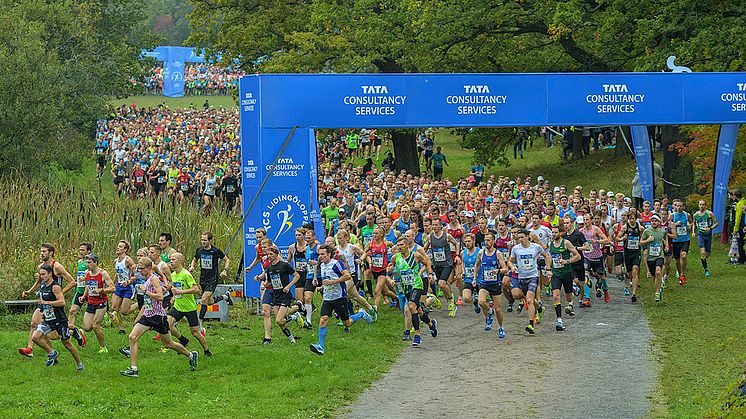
199, 80
186, 154
495, 244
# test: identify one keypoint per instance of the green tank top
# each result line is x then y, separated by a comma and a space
352, 141
80, 276
703, 221
557, 253
409, 272
164, 256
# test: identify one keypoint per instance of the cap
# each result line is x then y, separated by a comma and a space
610, 194
627, 199
341, 210
655, 217
488, 199
469, 213
463, 213
92, 256
556, 189
471, 179
513, 201
580, 219
540, 178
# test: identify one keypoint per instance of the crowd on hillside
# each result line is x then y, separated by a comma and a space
199, 80
182, 153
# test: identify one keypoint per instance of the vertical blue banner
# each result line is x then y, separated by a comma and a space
644, 158
318, 226
723, 164
249, 94
173, 73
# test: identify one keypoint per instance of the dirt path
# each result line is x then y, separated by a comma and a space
601, 366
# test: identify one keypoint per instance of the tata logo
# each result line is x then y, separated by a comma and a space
369, 90
476, 88
741, 86
615, 88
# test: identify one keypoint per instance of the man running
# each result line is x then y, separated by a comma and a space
704, 223
596, 238
121, 299
682, 224
630, 234
469, 273
184, 288
209, 257
491, 265
279, 273
524, 257
98, 284
439, 242
78, 301
52, 305
154, 317
564, 254
655, 238
164, 243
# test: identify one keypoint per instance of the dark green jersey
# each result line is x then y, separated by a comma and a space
560, 258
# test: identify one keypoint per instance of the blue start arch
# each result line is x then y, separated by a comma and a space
279, 107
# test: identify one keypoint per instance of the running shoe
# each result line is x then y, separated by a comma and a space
417, 341
607, 297
520, 307
406, 336
575, 290
501, 333
559, 326
340, 323
530, 329
300, 320
451, 309
682, 280
707, 273
79, 368
657, 297
539, 314
113, 321
488, 321
634, 298
620, 278
510, 307
318, 350
80, 337
393, 303
569, 310
266, 341
122, 332
586, 303
193, 358
208, 353
130, 372
27, 352
202, 331
663, 282
291, 338
433, 328
307, 325
228, 299
368, 319
52, 358
125, 352
547, 291
158, 336
103, 350
477, 309
599, 293
459, 302
436, 301
163, 350
440, 292
374, 313
626, 291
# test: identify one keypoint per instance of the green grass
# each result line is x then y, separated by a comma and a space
151, 101
700, 337
244, 379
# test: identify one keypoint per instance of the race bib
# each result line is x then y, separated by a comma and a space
49, 313
655, 249
92, 286
703, 224
377, 259
557, 260
490, 275
505, 253
633, 243
681, 230
407, 277
469, 271
301, 265
161, 179
527, 263
147, 302
276, 281
178, 286
138, 178
205, 262
121, 278
80, 280
230, 188
184, 187
452, 246
439, 254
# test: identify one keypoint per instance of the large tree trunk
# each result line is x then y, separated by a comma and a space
405, 152
577, 143
622, 148
677, 170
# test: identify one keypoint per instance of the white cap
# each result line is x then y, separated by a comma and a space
610, 194
469, 213
540, 178
580, 220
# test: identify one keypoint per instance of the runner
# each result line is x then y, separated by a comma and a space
704, 223
121, 299
78, 301
209, 257
630, 234
349, 254
279, 273
682, 224
503, 243
98, 285
491, 265
440, 242
52, 305
332, 275
541, 233
297, 257
312, 257
166, 251
46, 257
655, 238
154, 317
564, 254
468, 273
409, 265
377, 254
184, 288
596, 238
523, 260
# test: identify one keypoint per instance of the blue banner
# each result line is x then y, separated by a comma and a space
723, 164
313, 187
174, 59
644, 158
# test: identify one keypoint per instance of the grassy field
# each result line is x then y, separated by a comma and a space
243, 379
700, 336
148, 101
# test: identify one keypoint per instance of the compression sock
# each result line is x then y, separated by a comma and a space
309, 309
604, 285
287, 332
322, 336
349, 307
511, 299
202, 311
416, 321
704, 262
425, 318
558, 309
587, 290
357, 316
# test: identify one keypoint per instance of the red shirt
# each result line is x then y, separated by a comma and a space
92, 282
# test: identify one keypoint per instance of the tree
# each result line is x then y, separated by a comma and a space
59, 62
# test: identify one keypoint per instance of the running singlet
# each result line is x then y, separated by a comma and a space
402, 226
560, 253
80, 277
349, 255
299, 260
139, 280
470, 275
50, 313
618, 244
367, 234
311, 254
123, 272
210, 185
378, 257
490, 268
646, 219
456, 233
682, 231
595, 252
92, 283
409, 272
632, 242
441, 250
332, 270
526, 260
702, 222
502, 244
151, 307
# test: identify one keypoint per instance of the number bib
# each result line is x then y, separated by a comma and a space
681, 230
527, 262
161, 179
121, 278
452, 246
505, 253
230, 188
439, 254
469, 271
377, 259
276, 281
92, 286
407, 277
80, 279
49, 313
655, 249
633, 243
179, 286
138, 179
205, 262
490, 275
147, 302
184, 186
301, 265
703, 224
557, 260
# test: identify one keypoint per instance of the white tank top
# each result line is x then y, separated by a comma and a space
123, 272
349, 255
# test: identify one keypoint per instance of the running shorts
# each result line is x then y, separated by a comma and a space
493, 289
267, 297
562, 281
525, 284
124, 292
281, 298
191, 316
442, 273
157, 323
208, 284
93, 308
679, 247
338, 306
55, 326
655, 263
632, 259
595, 266
705, 242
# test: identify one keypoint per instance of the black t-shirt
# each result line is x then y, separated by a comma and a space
479, 237
208, 262
279, 275
230, 185
51, 314
160, 176
577, 239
